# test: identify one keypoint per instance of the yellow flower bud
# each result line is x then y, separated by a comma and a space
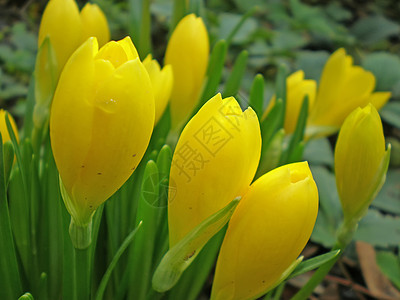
360, 161
342, 88
62, 23
94, 24
296, 89
101, 121
187, 52
161, 80
67, 29
266, 233
214, 162
3, 126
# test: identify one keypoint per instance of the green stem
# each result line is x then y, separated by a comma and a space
81, 235
82, 271
177, 14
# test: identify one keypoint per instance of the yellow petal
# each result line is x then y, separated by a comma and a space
3, 126
359, 152
343, 87
266, 233
296, 89
62, 23
99, 111
94, 23
187, 52
379, 99
161, 81
214, 162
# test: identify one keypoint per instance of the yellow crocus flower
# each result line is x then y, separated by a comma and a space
3, 126
360, 161
162, 81
187, 52
266, 233
342, 88
94, 23
101, 121
67, 29
214, 162
296, 89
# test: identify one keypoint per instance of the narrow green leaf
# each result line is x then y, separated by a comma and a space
10, 285
26, 296
235, 29
177, 14
281, 91
179, 257
313, 263
214, 73
141, 253
271, 155
29, 106
43, 289
194, 278
139, 27
271, 124
257, 95
232, 85
298, 134
8, 160
106, 277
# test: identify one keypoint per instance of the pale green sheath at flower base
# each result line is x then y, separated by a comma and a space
101, 121
267, 232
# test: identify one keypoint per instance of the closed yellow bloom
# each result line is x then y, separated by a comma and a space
68, 29
162, 81
3, 126
342, 88
62, 23
214, 162
187, 52
94, 23
296, 89
266, 233
100, 124
360, 161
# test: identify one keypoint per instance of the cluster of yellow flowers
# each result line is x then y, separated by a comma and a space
107, 102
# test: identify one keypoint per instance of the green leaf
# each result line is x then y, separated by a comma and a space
312, 63
330, 211
297, 135
26, 296
389, 264
374, 29
214, 73
139, 26
142, 251
10, 285
313, 263
271, 124
179, 257
391, 113
388, 199
386, 68
256, 100
106, 277
378, 229
232, 85
271, 154
281, 91
237, 29
319, 152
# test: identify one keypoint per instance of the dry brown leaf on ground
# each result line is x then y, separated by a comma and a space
377, 283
